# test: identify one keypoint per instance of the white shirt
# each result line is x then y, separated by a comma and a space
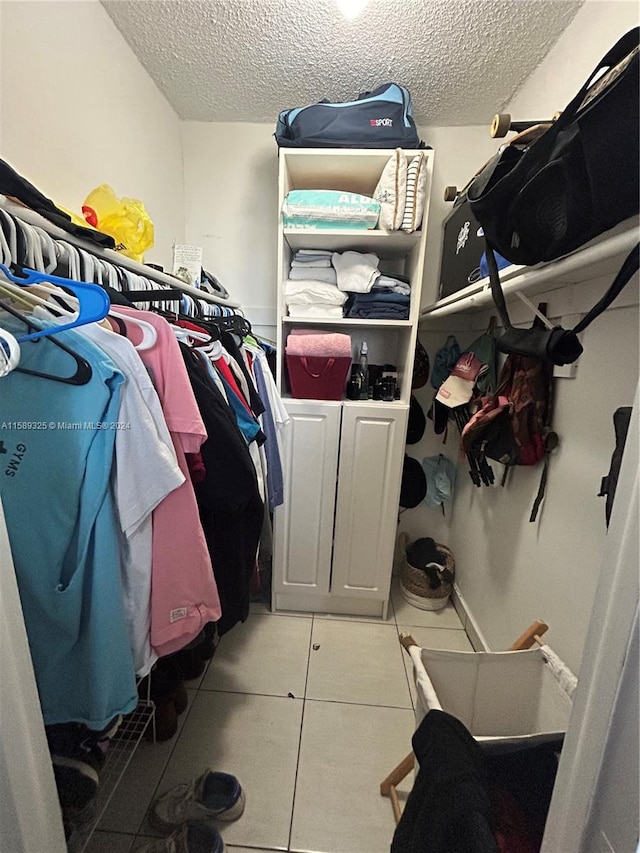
146, 471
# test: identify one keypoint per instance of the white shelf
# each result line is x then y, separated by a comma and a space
386, 244
346, 321
601, 257
353, 169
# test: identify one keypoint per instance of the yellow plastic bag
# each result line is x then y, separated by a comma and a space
124, 219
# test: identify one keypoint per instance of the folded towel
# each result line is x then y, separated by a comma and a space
328, 275
311, 261
356, 271
333, 345
308, 292
319, 312
319, 253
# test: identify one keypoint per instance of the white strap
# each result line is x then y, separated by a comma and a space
533, 308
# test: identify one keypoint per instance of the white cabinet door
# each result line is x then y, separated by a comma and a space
303, 534
371, 457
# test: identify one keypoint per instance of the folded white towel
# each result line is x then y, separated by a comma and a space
309, 292
319, 274
314, 263
356, 271
319, 312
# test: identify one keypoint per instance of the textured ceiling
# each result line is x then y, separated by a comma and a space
245, 60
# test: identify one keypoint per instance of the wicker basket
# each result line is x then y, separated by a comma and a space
415, 587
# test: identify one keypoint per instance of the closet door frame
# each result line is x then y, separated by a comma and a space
589, 758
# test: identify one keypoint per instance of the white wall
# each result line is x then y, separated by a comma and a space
595, 29
231, 203
509, 571
77, 109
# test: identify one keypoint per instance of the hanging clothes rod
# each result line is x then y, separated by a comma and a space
19, 212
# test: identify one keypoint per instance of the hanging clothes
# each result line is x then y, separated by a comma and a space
231, 509
56, 485
273, 420
184, 595
145, 472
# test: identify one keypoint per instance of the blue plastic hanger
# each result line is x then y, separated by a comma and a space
93, 302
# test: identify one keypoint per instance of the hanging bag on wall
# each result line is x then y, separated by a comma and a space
578, 179
513, 425
554, 345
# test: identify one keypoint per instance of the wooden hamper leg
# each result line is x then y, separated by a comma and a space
388, 786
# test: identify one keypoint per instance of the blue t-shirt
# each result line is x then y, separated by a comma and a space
56, 451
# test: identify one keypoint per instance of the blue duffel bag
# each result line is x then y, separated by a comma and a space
379, 119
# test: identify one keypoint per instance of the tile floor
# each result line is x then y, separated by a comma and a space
310, 712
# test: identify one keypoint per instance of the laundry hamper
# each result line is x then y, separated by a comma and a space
504, 699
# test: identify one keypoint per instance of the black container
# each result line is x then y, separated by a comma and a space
462, 249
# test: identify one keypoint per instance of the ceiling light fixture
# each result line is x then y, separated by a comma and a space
351, 8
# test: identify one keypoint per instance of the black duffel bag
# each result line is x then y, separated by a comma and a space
578, 179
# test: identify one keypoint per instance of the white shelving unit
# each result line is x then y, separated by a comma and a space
334, 536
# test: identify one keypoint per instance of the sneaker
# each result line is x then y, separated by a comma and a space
213, 796
190, 838
77, 761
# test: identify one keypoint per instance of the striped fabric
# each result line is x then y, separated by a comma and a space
414, 206
391, 192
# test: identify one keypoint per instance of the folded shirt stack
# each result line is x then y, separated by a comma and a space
311, 289
392, 283
378, 306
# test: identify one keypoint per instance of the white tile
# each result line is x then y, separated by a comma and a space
262, 609
109, 842
254, 737
407, 614
131, 799
266, 654
357, 662
373, 620
437, 638
346, 751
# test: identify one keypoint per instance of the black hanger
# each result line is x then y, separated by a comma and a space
83, 372
153, 295
235, 323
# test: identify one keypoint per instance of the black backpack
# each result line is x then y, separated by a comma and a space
512, 425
